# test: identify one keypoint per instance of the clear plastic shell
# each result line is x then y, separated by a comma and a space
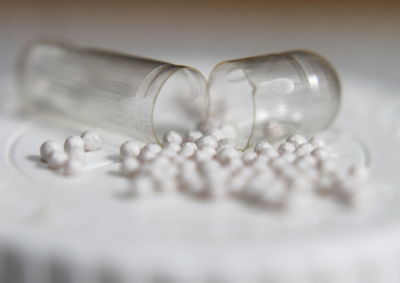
273, 96
138, 96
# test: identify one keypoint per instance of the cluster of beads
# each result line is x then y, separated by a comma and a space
208, 165
71, 158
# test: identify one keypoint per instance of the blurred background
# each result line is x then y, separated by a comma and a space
361, 36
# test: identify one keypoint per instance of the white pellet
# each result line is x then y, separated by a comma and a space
286, 147
193, 136
226, 143
262, 146
188, 149
173, 145
297, 140
73, 143
92, 140
129, 149
73, 167
217, 134
129, 166
304, 149
249, 157
269, 152
172, 137
227, 155
57, 160
77, 154
47, 148
206, 141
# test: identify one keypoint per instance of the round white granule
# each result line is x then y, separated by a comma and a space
304, 149
203, 155
73, 167
193, 136
188, 149
92, 140
206, 141
210, 150
57, 160
161, 162
129, 149
235, 165
289, 157
226, 143
269, 152
129, 166
262, 146
168, 152
217, 134
320, 153
152, 147
286, 147
72, 143
173, 146
227, 155
47, 148
249, 157
147, 155
297, 140
172, 137
317, 142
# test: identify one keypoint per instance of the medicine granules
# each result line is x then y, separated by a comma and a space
209, 165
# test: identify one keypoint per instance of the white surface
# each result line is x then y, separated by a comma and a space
82, 223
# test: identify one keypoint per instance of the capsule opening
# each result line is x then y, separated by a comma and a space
181, 103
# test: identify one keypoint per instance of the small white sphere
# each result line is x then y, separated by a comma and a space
188, 149
206, 141
262, 146
47, 148
217, 134
289, 157
168, 152
269, 152
172, 137
320, 153
77, 154
72, 143
286, 147
73, 167
173, 146
203, 155
278, 164
210, 150
317, 142
193, 136
226, 143
297, 140
227, 155
129, 166
304, 149
147, 155
249, 157
92, 141
152, 147
57, 160
129, 149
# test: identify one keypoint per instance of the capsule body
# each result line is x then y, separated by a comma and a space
138, 96
273, 96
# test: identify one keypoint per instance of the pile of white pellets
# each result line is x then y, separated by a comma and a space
208, 165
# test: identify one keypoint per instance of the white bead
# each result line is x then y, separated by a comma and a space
129, 166
217, 134
286, 147
269, 152
249, 157
57, 160
188, 149
129, 149
227, 155
203, 155
161, 162
210, 150
168, 152
297, 140
92, 140
317, 142
73, 167
279, 164
72, 143
289, 157
172, 137
262, 146
226, 143
147, 155
47, 148
206, 141
173, 146
193, 136
304, 149
320, 153
359, 172
152, 147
